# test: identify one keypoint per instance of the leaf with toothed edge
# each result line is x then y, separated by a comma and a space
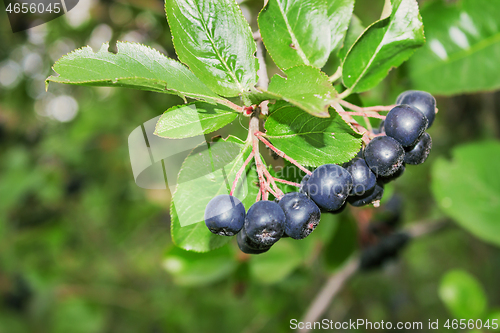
306, 87
185, 121
339, 14
213, 38
133, 66
294, 33
385, 44
310, 140
205, 173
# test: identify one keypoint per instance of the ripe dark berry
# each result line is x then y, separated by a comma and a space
265, 222
328, 186
394, 176
421, 100
363, 179
384, 155
418, 153
247, 245
302, 214
406, 124
303, 183
225, 215
368, 197
387, 248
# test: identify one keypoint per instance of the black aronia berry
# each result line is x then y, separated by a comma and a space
400, 141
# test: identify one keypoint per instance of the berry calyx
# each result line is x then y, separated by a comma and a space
225, 215
421, 100
302, 214
265, 223
384, 155
247, 245
406, 124
328, 186
418, 153
363, 179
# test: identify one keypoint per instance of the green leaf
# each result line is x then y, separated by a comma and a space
306, 87
213, 38
339, 14
294, 33
463, 295
462, 50
385, 44
185, 121
208, 171
355, 30
468, 190
194, 269
310, 140
134, 66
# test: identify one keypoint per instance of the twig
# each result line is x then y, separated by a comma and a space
259, 134
240, 172
262, 72
335, 282
364, 114
252, 128
328, 292
377, 108
279, 180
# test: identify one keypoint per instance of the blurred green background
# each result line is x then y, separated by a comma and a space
83, 249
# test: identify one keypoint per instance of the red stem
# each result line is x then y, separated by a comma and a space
372, 115
286, 182
377, 108
240, 172
259, 134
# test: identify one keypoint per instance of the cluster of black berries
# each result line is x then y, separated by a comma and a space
359, 182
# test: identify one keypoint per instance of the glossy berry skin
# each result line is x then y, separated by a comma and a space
363, 179
225, 215
367, 198
265, 222
328, 186
384, 155
421, 100
302, 214
406, 124
247, 245
418, 153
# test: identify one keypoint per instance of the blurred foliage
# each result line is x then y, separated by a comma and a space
83, 249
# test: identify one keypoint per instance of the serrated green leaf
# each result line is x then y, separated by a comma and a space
213, 38
207, 172
185, 121
462, 50
463, 295
385, 44
306, 87
310, 140
339, 14
194, 269
355, 30
294, 33
468, 190
134, 66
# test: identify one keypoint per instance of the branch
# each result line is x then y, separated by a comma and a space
377, 108
253, 127
335, 282
337, 75
281, 154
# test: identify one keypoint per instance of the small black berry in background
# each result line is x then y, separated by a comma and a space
363, 179
265, 222
418, 153
421, 100
406, 124
302, 214
387, 248
391, 213
384, 155
225, 215
247, 245
394, 176
368, 197
328, 186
